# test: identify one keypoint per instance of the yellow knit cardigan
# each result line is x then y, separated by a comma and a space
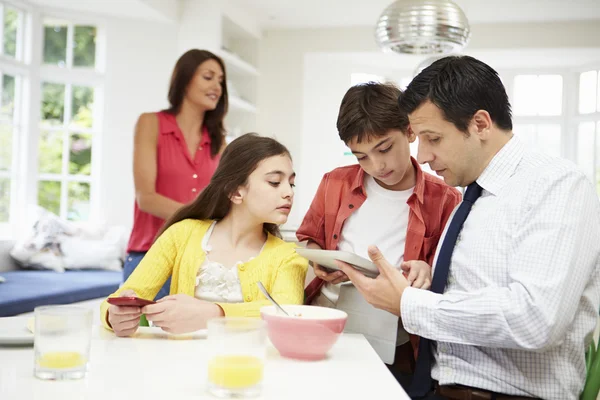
178, 253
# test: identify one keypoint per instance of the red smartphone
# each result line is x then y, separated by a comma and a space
131, 301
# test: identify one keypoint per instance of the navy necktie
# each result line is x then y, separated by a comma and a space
421, 384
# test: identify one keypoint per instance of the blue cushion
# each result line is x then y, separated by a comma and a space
25, 290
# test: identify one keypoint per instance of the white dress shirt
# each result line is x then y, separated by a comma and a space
523, 291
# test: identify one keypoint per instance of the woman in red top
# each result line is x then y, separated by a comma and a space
176, 151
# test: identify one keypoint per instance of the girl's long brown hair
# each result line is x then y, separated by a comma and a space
183, 73
239, 160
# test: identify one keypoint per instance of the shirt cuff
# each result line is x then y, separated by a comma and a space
417, 311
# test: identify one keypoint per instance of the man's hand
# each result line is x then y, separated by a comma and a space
383, 292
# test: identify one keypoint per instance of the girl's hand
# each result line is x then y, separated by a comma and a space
124, 320
181, 313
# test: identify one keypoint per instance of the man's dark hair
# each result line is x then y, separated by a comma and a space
459, 86
370, 110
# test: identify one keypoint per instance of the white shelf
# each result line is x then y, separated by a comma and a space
236, 65
237, 104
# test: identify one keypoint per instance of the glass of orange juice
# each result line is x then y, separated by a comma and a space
236, 361
62, 338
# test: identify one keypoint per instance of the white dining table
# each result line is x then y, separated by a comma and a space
155, 365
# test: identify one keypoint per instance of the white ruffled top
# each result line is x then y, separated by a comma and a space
216, 282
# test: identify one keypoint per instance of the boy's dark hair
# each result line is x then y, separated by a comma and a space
459, 86
370, 110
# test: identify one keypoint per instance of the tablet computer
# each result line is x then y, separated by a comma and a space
326, 259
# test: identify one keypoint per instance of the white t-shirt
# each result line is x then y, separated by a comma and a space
382, 220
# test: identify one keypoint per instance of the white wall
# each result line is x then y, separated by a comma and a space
139, 60
302, 81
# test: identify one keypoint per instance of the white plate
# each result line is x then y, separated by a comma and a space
152, 332
14, 332
326, 258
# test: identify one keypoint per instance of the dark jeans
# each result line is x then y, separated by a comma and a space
131, 262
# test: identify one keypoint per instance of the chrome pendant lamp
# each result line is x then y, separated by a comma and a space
423, 27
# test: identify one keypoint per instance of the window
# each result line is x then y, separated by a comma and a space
68, 45
538, 116
65, 149
8, 143
588, 128
589, 92
47, 158
68, 123
545, 138
11, 40
11, 32
538, 95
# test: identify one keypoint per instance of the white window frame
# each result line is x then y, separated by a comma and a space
591, 117
508, 79
74, 76
24, 189
18, 68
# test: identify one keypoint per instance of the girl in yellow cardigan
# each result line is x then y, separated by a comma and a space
218, 247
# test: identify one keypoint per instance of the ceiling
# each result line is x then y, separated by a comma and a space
138, 9
338, 13
295, 14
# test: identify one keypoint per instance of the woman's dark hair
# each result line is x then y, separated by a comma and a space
240, 158
459, 86
183, 73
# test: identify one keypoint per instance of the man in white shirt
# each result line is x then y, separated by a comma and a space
518, 266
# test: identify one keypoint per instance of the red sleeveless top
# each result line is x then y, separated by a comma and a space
179, 176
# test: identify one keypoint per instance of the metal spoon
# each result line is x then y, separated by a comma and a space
268, 296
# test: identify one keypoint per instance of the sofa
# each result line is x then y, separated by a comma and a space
23, 290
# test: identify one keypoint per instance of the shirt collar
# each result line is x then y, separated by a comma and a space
169, 126
358, 182
502, 167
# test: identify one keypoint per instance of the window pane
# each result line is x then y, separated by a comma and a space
8, 96
53, 104
49, 196
544, 138
5, 147
527, 133
83, 101
4, 199
80, 155
525, 95
84, 53
50, 152
549, 139
598, 93
55, 43
587, 92
549, 95
598, 158
538, 95
11, 22
585, 148
79, 201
